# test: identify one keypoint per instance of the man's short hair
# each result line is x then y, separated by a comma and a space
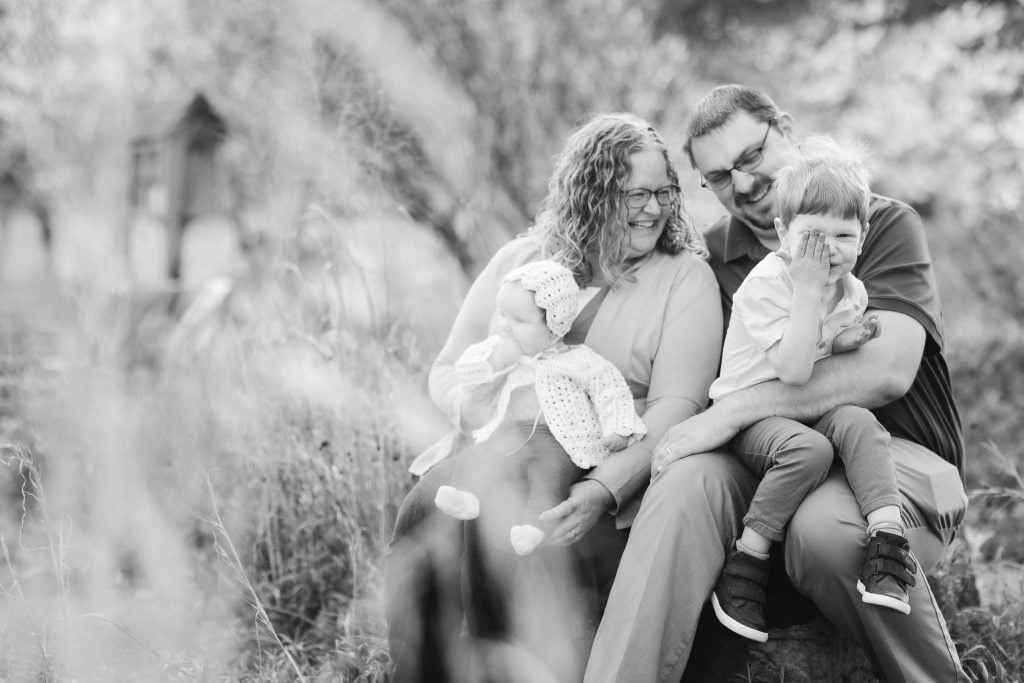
719, 106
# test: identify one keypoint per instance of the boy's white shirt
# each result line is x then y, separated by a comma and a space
760, 314
583, 398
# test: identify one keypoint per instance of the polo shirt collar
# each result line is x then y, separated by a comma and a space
741, 242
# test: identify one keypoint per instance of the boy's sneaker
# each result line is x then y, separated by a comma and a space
888, 569
739, 596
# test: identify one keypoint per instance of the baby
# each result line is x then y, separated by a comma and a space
525, 379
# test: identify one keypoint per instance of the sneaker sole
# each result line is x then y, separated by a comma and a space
735, 626
882, 600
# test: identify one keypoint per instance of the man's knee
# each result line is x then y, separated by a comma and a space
714, 481
826, 534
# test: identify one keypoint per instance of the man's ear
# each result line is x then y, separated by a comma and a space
780, 228
786, 125
863, 236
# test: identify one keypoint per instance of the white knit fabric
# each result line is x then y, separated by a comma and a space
583, 398
555, 290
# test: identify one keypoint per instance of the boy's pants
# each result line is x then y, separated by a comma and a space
793, 459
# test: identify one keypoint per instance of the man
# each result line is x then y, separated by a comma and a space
692, 511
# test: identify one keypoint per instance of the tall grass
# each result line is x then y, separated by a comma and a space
215, 508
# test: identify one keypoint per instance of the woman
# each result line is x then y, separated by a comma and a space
650, 305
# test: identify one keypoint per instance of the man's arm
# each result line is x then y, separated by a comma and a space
875, 374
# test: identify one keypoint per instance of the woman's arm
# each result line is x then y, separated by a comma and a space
683, 368
685, 363
471, 325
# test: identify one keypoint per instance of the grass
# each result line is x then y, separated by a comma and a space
229, 502
218, 509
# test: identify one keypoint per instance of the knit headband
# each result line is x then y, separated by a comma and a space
554, 289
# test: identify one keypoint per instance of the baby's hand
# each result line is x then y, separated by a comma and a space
505, 354
857, 336
615, 442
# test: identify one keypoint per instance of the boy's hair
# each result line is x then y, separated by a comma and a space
720, 105
824, 179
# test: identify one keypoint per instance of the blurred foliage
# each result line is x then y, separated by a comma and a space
385, 118
935, 88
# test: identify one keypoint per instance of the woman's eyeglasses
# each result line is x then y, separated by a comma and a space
638, 197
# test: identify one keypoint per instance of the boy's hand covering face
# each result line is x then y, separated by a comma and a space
809, 265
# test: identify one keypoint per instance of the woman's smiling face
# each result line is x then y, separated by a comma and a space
648, 170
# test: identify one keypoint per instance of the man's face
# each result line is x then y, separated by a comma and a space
750, 196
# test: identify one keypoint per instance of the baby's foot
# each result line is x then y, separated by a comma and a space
525, 538
458, 504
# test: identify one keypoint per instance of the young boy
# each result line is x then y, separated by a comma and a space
524, 378
799, 305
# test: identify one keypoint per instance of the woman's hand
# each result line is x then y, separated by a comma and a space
701, 433
588, 500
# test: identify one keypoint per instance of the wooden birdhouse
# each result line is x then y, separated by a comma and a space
176, 176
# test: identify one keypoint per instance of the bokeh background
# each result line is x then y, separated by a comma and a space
200, 472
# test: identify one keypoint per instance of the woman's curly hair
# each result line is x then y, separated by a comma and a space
585, 208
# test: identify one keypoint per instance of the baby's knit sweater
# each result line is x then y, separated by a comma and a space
583, 398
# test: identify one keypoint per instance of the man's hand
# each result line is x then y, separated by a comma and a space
588, 500
854, 337
808, 267
701, 433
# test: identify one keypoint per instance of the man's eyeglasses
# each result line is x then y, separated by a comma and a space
719, 180
637, 198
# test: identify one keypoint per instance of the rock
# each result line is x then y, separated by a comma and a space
810, 652
802, 646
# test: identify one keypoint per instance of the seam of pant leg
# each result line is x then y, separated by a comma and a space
671, 662
954, 658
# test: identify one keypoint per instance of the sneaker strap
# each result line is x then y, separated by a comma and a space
748, 590
758, 575
893, 560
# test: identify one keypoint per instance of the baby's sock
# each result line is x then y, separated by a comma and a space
458, 504
525, 538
